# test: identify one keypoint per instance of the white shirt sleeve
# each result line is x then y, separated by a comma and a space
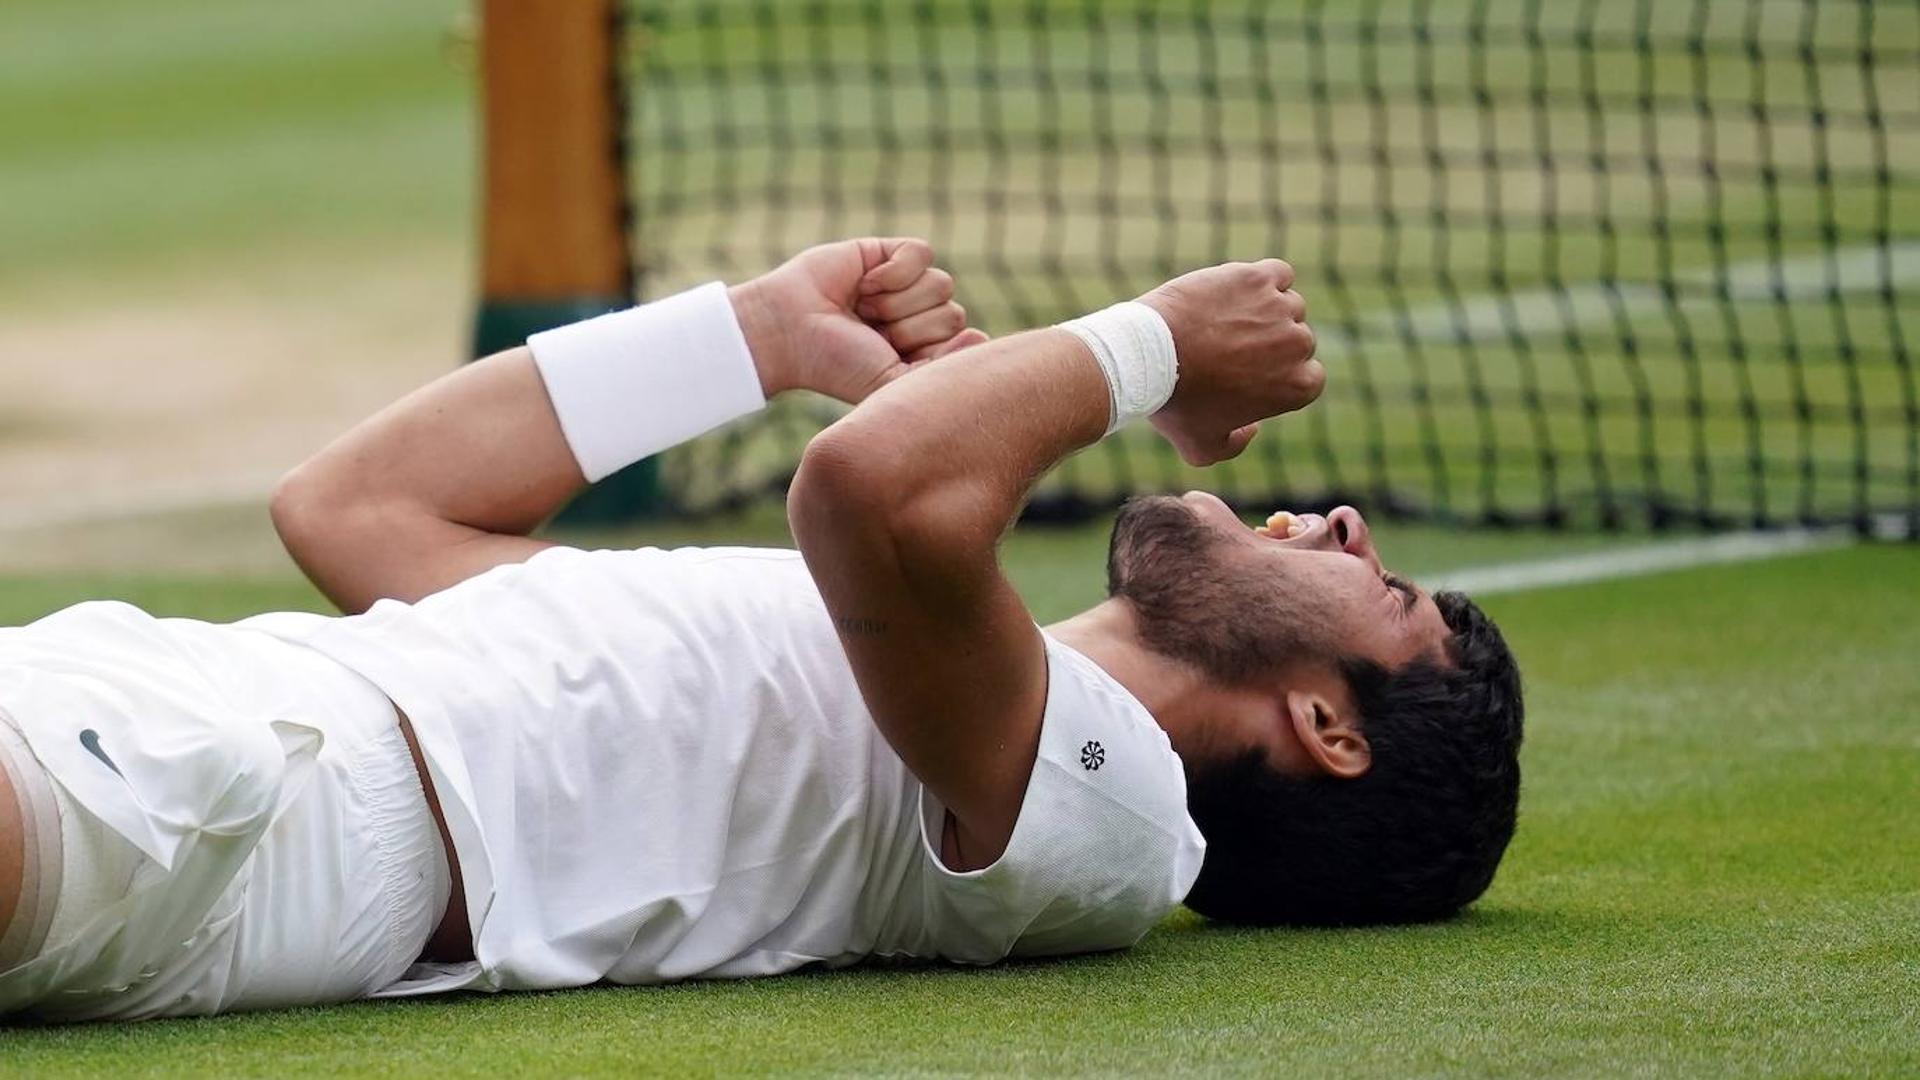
1103, 847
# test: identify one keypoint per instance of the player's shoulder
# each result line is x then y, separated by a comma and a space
1100, 736
1104, 746
1103, 846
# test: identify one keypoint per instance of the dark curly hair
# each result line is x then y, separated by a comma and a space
1414, 839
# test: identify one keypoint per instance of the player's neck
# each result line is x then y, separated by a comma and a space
1109, 635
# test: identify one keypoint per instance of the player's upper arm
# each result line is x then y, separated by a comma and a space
434, 489
948, 659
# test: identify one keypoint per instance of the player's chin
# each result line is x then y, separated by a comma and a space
1144, 516
1213, 511
1181, 526
1155, 514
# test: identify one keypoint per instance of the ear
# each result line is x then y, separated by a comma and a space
1331, 738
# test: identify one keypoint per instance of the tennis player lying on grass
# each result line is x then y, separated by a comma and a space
643, 766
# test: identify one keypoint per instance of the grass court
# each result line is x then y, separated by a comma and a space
1715, 871
1713, 877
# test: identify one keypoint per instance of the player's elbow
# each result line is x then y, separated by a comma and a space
299, 508
859, 483
840, 484
330, 530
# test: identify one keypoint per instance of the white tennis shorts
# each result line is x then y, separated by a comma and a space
325, 888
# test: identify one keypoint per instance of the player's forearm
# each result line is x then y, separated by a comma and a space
946, 459
447, 482
440, 485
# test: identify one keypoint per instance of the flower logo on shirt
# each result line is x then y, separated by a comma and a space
1092, 756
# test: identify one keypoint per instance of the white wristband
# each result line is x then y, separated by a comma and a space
632, 383
1135, 351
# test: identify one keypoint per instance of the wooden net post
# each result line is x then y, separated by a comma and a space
555, 213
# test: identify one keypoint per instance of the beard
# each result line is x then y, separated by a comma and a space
1200, 600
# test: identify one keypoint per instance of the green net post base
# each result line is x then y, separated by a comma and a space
632, 494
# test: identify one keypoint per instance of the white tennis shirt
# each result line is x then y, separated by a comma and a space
656, 765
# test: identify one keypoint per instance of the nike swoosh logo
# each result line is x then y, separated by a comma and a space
90, 740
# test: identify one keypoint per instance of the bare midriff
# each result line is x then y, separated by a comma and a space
452, 940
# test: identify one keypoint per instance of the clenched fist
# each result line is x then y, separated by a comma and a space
1245, 351
846, 318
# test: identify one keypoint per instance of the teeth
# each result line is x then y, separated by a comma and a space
1282, 523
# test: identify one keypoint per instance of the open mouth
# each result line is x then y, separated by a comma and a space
1287, 527
1283, 524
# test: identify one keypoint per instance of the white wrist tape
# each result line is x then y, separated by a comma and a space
1135, 351
632, 383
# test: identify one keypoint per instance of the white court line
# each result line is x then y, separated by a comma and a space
1639, 561
1494, 319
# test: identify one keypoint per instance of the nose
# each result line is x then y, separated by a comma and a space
1350, 533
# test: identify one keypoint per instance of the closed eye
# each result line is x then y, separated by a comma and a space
1409, 595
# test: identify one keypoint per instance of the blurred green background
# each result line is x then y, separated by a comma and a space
228, 230
172, 138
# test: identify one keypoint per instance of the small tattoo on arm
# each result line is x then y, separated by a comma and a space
858, 627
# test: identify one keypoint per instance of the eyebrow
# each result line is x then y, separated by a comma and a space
1409, 592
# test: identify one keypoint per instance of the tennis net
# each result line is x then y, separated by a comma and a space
1615, 263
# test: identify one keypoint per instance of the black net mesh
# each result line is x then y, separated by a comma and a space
1596, 262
